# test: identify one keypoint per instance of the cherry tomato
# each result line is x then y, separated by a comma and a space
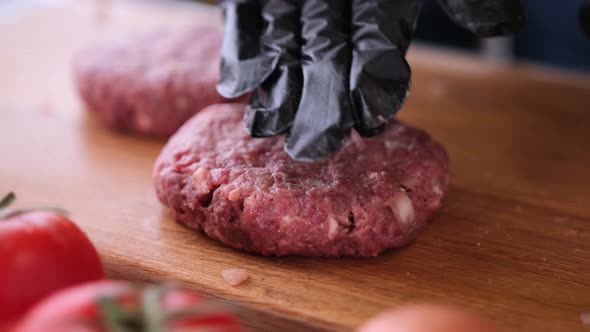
111, 305
40, 252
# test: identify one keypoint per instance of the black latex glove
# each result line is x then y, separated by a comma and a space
585, 17
319, 68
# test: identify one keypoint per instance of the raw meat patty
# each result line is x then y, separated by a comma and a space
376, 193
151, 83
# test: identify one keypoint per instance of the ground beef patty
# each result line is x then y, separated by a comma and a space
376, 193
151, 83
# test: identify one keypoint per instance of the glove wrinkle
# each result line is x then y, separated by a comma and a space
244, 62
324, 116
380, 75
273, 105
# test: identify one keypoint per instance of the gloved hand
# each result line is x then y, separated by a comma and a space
319, 68
585, 17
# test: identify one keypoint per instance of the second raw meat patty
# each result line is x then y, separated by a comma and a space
151, 83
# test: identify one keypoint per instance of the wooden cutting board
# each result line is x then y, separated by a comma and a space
512, 242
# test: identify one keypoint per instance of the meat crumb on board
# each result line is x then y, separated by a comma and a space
234, 277
585, 317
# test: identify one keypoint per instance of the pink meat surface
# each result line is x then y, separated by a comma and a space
151, 83
375, 194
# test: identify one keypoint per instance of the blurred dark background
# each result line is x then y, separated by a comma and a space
552, 35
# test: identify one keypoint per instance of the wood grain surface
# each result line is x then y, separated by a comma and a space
513, 241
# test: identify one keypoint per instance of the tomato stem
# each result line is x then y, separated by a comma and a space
150, 306
152, 316
11, 197
23, 211
115, 318
111, 315
7, 200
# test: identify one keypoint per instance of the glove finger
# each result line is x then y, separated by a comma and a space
274, 104
380, 75
244, 62
585, 17
486, 18
324, 117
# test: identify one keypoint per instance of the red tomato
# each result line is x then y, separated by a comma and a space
40, 252
120, 306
